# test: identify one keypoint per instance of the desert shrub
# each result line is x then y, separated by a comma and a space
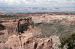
2, 27
70, 41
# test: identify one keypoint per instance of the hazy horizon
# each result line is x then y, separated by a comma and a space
37, 6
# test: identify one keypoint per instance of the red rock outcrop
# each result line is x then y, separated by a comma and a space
30, 41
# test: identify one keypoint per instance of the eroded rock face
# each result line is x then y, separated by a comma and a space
2, 45
13, 42
30, 41
56, 41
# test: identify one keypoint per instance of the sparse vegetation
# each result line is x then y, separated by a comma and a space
2, 27
66, 32
69, 40
56, 28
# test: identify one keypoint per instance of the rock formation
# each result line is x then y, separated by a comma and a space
30, 41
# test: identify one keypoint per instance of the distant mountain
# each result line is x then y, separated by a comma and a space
2, 13
35, 9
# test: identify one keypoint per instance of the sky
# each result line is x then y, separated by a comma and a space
36, 5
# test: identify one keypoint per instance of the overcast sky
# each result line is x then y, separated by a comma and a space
38, 3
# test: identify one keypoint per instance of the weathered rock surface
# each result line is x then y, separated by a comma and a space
2, 45
30, 41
